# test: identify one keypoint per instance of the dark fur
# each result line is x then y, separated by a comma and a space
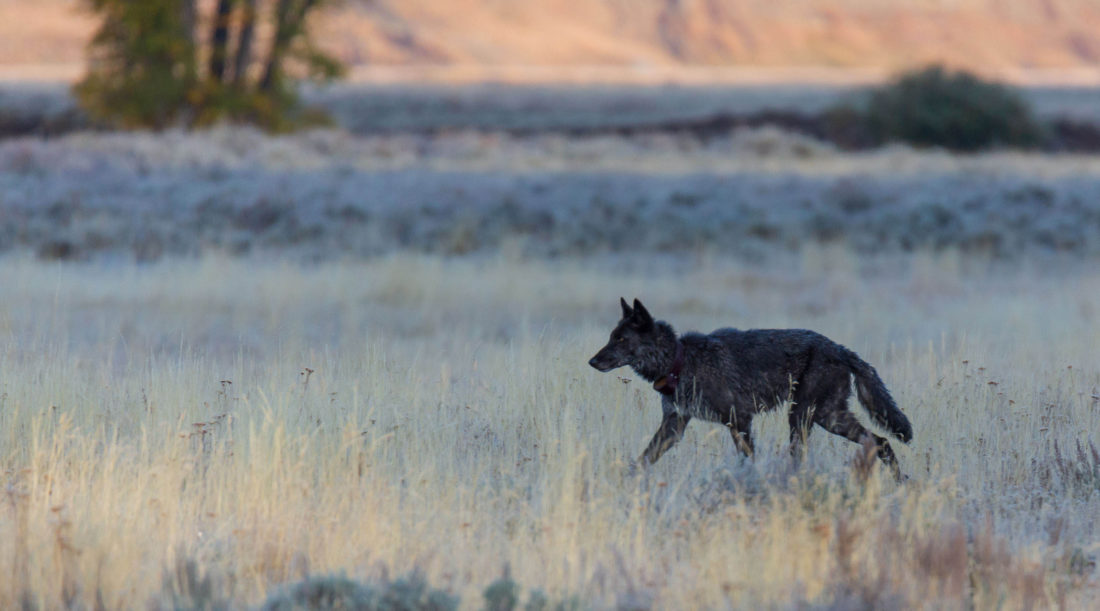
731, 375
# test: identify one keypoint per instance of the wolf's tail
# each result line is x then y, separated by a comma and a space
876, 399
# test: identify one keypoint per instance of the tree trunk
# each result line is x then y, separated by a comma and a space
244, 44
279, 42
189, 10
289, 23
219, 41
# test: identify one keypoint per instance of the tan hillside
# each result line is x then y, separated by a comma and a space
1002, 37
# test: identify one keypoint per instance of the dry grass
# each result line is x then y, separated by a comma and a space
237, 425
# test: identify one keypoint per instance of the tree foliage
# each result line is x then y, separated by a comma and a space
161, 63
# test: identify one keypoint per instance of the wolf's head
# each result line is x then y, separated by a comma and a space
632, 341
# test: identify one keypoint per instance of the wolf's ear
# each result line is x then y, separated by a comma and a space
627, 312
641, 315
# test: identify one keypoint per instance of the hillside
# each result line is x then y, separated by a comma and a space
619, 38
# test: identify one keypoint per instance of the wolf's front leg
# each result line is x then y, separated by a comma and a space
671, 430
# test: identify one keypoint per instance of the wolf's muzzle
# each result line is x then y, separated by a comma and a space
598, 365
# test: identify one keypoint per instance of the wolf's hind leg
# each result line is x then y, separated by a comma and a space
842, 422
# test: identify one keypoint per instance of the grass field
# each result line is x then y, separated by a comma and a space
200, 432
231, 363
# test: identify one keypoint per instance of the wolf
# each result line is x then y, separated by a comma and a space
731, 375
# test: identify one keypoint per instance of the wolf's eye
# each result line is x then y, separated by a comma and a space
620, 338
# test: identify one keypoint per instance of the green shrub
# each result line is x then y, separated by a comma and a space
409, 593
501, 595
954, 110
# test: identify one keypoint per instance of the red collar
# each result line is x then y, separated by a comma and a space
666, 384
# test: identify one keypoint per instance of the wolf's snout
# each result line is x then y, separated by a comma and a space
597, 364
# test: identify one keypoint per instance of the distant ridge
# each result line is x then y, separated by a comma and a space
648, 40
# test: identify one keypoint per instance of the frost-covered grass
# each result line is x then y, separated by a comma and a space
216, 428
329, 195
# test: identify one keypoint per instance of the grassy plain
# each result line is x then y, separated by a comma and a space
182, 428
265, 421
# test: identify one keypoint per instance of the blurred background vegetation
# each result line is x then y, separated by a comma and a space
194, 63
151, 64
955, 110
476, 126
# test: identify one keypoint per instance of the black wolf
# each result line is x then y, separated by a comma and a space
731, 375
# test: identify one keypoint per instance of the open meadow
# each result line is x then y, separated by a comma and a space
188, 433
239, 370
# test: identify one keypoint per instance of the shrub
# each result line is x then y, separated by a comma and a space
955, 110
410, 593
501, 595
